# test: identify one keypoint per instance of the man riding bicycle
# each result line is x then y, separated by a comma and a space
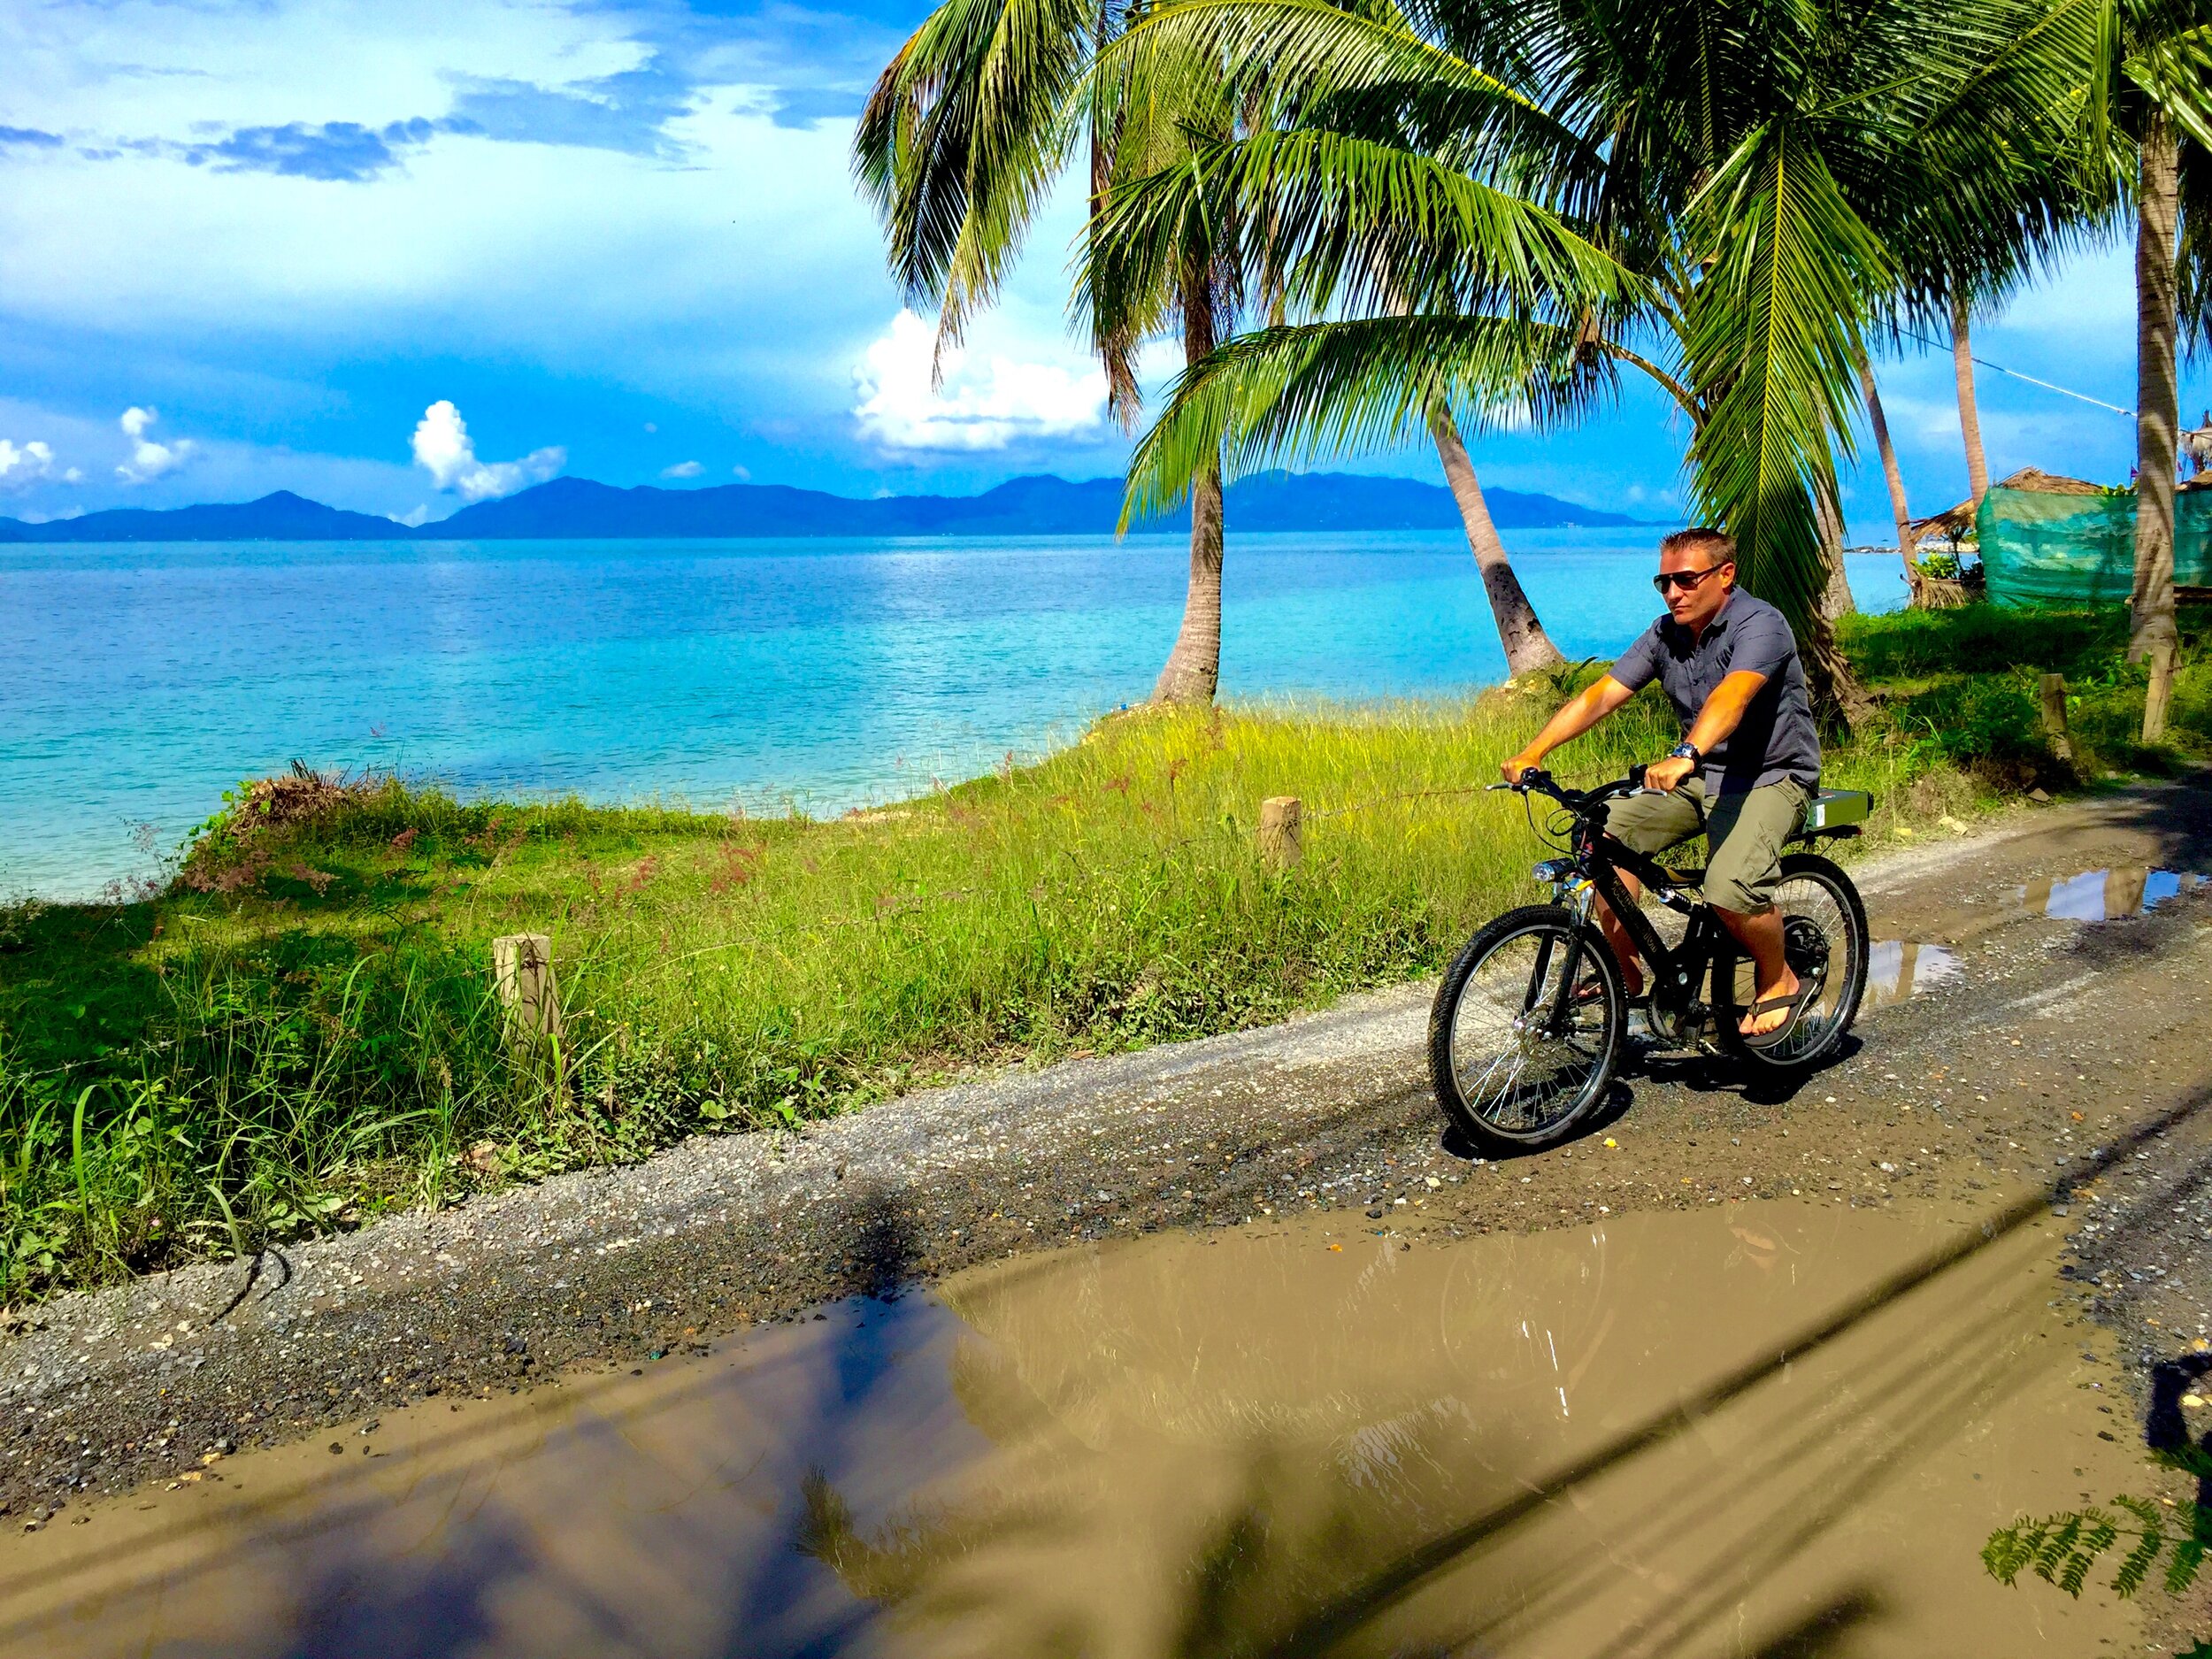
1745, 772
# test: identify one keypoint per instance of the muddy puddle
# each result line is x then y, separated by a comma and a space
2104, 895
1899, 968
1764, 1429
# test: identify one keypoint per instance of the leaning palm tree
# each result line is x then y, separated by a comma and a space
1737, 158
1893, 475
965, 135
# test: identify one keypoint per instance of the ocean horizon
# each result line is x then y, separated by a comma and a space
810, 675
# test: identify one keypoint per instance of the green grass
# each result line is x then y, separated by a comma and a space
300, 1031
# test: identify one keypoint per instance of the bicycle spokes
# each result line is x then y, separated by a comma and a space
1526, 1038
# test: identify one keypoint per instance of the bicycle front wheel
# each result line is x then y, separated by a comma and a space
1527, 1030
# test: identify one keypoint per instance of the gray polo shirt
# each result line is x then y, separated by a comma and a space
1776, 739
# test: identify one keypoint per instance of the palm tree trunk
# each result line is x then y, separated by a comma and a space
1193, 673
1896, 477
1527, 646
1969, 413
1835, 599
2157, 398
1838, 696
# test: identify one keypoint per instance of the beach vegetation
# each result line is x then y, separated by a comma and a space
299, 1029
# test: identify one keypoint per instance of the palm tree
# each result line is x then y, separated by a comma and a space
1970, 411
1524, 260
2149, 88
1893, 475
1520, 631
1738, 160
961, 142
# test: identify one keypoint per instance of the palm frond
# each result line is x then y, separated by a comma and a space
1291, 394
1772, 333
1335, 223
962, 137
2195, 251
1313, 52
2176, 70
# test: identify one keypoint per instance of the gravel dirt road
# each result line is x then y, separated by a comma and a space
2017, 1044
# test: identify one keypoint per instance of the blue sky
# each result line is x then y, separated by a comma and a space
398, 256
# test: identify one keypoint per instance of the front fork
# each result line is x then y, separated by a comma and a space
1554, 1020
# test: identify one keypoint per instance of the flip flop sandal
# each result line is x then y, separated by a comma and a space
1796, 1002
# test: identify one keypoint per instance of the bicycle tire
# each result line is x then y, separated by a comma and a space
1837, 1015
1480, 1120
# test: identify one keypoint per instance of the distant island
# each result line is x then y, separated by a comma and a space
578, 508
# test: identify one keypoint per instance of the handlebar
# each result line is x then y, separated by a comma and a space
1584, 802
1536, 781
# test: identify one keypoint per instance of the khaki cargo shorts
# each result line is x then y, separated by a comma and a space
1746, 833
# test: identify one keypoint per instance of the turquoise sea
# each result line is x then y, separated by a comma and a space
138, 682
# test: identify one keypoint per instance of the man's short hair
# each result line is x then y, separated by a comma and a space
1701, 539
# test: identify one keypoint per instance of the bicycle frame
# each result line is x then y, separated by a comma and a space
1598, 859
1677, 972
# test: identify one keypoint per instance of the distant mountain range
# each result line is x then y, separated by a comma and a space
578, 508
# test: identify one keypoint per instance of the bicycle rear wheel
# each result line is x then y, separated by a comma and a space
1823, 933
1527, 1030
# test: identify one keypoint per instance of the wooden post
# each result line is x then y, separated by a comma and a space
2160, 693
522, 969
1280, 816
2055, 716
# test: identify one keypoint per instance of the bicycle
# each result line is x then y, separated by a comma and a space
1526, 1031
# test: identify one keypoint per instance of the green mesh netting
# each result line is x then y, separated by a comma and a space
2041, 548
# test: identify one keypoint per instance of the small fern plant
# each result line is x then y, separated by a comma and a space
2065, 1548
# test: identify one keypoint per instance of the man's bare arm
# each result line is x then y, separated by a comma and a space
1577, 716
1722, 714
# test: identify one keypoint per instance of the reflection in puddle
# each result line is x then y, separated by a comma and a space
1899, 968
1651, 1436
2104, 895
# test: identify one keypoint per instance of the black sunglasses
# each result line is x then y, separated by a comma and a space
1686, 580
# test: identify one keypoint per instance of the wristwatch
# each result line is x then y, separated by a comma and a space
1685, 750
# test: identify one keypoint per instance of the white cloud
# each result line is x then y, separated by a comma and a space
20, 468
150, 460
442, 449
683, 469
417, 514
898, 407
741, 472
